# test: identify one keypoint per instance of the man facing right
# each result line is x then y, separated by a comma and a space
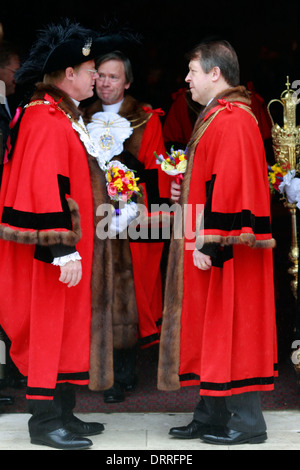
219, 327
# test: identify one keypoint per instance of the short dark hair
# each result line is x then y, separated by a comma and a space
117, 55
218, 53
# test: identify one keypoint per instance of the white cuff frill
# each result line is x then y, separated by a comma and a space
63, 260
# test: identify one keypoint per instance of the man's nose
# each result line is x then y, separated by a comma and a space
105, 81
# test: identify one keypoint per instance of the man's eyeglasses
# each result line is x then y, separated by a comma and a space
92, 71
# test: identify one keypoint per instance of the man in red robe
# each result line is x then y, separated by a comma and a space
137, 306
219, 329
47, 235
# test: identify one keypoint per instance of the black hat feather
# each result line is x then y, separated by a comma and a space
64, 45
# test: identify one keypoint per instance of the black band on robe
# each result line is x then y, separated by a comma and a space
232, 221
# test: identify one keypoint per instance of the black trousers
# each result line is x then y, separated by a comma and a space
124, 365
239, 412
49, 415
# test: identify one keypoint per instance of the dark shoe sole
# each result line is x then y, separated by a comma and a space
63, 447
259, 439
114, 400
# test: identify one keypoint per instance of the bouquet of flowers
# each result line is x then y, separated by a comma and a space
175, 163
121, 186
276, 174
121, 183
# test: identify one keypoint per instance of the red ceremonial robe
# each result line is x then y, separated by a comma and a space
47, 322
219, 328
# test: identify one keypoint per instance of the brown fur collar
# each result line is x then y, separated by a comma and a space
66, 104
239, 93
131, 109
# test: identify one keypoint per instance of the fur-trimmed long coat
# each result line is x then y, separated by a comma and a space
218, 328
137, 306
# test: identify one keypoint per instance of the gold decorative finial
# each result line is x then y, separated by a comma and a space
287, 82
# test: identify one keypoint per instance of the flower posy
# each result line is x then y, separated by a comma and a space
276, 174
175, 163
121, 183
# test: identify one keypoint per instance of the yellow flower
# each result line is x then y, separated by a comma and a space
109, 177
277, 169
181, 157
119, 184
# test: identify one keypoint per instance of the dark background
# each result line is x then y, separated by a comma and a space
265, 35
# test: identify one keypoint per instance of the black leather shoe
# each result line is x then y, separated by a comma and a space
191, 431
231, 437
80, 428
6, 400
131, 386
114, 395
62, 439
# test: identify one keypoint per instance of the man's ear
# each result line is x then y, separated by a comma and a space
215, 73
69, 73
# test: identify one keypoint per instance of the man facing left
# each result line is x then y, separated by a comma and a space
47, 235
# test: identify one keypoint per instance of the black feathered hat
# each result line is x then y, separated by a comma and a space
64, 45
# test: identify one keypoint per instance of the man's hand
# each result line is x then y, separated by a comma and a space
175, 191
71, 273
201, 260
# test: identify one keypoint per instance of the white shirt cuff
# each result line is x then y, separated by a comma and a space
62, 260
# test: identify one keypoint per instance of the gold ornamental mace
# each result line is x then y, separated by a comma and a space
286, 146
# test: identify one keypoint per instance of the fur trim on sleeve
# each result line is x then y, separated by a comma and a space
46, 237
